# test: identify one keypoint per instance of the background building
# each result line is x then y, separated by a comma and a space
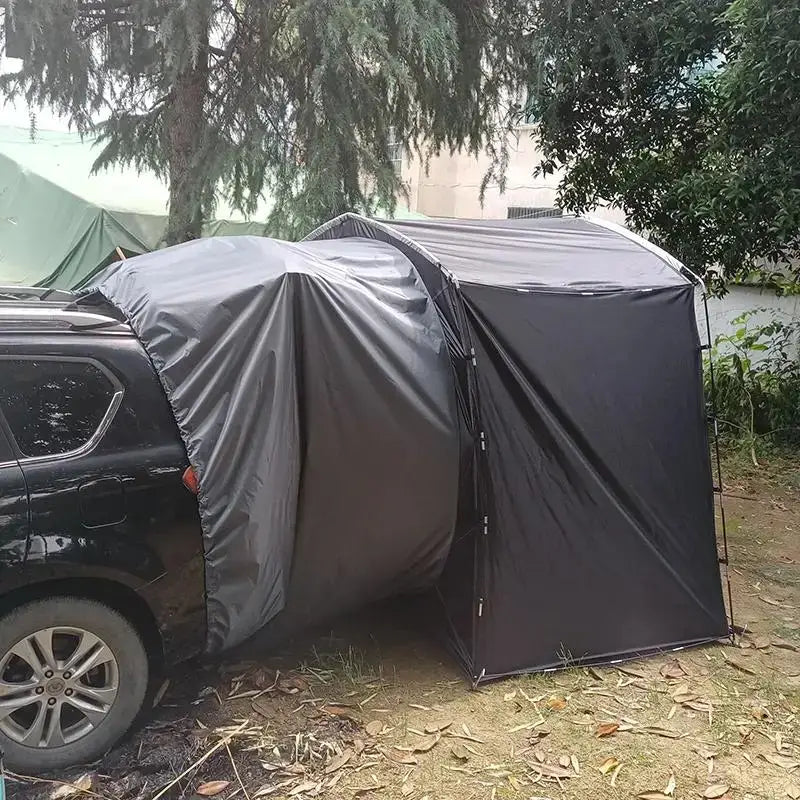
450, 187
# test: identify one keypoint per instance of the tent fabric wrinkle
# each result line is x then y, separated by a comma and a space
305, 378
508, 415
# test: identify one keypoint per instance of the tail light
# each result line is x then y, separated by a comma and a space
190, 480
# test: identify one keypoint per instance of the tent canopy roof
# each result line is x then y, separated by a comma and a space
553, 253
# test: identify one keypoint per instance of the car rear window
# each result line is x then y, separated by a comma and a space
52, 406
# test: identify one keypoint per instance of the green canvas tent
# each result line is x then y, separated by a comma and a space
59, 224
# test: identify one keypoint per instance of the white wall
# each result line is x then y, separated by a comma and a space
722, 311
451, 185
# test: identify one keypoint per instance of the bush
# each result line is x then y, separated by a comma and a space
757, 378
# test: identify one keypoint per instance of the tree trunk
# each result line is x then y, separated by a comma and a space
185, 123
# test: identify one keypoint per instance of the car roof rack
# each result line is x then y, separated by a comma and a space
42, 294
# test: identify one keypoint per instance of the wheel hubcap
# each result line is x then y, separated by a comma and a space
56, 686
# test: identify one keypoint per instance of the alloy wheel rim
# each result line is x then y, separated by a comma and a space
56, 686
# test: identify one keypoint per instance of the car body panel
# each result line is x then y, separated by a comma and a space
118, 512
13, 513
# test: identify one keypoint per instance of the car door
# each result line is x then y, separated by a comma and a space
57, 410
102, 460
13, 516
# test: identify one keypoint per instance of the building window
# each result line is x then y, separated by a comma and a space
531, 212
395, 152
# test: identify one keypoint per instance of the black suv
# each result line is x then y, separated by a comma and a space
101, 570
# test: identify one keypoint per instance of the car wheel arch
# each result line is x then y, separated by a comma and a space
117, 596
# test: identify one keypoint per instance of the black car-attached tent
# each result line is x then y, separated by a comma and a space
511, 411
592, 536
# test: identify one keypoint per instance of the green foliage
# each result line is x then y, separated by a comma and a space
299, 99
685, 114
756, 375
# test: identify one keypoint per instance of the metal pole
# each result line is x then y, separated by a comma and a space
718, 491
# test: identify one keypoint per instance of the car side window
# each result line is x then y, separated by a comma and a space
52, 406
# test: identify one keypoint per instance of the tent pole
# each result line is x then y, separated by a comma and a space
718, 459
482, 492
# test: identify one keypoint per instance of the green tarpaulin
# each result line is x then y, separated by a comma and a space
59, 224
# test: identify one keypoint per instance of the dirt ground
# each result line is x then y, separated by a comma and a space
375, 709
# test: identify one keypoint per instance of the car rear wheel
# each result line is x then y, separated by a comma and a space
73, 676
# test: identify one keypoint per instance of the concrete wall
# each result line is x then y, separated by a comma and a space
451, 185
722, 311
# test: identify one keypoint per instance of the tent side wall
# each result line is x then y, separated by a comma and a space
457, 602
601, 534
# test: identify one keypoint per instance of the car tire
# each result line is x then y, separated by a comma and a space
97, 701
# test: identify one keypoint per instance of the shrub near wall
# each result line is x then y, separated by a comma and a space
757, 379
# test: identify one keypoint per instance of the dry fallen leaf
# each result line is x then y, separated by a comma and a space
162, 690
340, 710
375, 727
614, 774
652, 796
510, 695
716, 790
683, 694
400, 758
211, 788
526, 725
597, 675
609, 764
672, 669
292, 684
793, 792
538, 755
436, 727
655, 730
537, 734
306, 786
761, 642
575, 764
739, 665
784, 645
338, 762
76, 787
704, 752
669, 789
407, 789
428, 743
634, 673
565, 761
460, 752
553, 771
556, 702
606, 729
781, 761
759, 712
769, 601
